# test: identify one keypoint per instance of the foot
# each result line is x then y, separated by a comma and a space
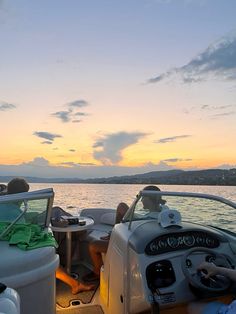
81, 287
91, 277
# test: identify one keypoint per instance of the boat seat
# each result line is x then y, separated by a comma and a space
104, 220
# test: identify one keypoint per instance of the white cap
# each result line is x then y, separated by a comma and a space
169, 217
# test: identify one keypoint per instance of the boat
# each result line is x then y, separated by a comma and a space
151, 265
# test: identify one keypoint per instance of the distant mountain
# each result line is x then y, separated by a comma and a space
177, 177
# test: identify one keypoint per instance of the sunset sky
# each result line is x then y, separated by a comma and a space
93, 88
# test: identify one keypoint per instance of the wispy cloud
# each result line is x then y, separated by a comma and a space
223, 114
217, 61
109, 149
5, 106
64, 116
174, 160
171, 139
76, 164
72, 113
49, 137
78, 103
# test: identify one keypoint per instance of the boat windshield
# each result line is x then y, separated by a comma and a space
193, 207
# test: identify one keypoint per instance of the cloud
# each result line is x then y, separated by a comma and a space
41, 167
171, 139
176, 160
72, 113
46, 142
74, 164
111, 146
38, 161
4, 106
64, 116
217, 61
49, 137
223, 114
78, 103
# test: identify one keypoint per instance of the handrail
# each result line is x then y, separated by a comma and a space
130, 213
39, 194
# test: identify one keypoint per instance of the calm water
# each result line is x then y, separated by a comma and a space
109, 195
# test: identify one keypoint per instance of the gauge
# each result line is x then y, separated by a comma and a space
200, 240
153, 246
162, 244
210, 242
173, 242
189, 240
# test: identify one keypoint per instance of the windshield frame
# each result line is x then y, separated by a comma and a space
129, 216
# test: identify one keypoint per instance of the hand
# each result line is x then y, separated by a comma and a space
211, 269
107, 237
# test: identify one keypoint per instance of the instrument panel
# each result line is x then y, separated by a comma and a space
181, 240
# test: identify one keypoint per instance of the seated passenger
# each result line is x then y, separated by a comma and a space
152, 203
214, 307
19, 185
97, 247
10, 211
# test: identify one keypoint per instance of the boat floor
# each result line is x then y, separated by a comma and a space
81, 303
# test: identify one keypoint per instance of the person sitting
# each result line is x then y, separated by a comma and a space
19, 185
214, 307
152, 203
97, 247
9, 212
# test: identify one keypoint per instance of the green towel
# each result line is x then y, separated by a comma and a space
27, 236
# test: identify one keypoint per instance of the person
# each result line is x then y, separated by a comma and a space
9, 212
76, 286
20, 185
16, 185
3, 188
97, 247
214, 307
152, 203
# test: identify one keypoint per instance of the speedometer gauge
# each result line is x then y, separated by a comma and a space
189, 240
173, 242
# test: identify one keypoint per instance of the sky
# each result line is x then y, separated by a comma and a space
97, 88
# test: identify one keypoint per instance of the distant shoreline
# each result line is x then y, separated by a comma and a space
209, 177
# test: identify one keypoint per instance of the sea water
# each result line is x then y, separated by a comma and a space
74, 196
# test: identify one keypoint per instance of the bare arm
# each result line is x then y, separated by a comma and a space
212, 270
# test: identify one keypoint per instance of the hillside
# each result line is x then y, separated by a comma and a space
177, 177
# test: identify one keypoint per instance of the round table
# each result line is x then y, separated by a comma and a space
69, 229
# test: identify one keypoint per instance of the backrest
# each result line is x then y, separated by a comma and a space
100, 215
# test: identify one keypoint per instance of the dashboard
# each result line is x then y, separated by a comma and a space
181, 240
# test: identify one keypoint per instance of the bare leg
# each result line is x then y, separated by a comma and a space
121, 211
95, 251
76, 286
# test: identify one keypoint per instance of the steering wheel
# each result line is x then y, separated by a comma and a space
197, 279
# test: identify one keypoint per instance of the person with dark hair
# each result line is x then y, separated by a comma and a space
17, 185
12, 211
152, 203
